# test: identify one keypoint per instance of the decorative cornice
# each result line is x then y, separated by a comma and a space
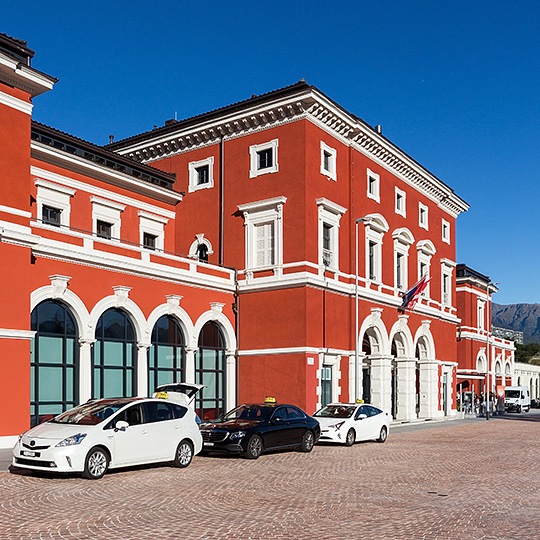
306, 103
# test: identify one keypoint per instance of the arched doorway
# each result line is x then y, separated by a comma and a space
54, 359
397, 351
167, 353
366, 369
210, 366
114, 358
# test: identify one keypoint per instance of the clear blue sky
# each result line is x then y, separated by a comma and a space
454, 84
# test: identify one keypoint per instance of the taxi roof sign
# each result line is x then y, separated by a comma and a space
269, 399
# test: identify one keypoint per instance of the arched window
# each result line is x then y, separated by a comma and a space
202, 252
210, 371
166, 356
114, 356
54, 361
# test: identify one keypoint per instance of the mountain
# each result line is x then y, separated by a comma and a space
522, 317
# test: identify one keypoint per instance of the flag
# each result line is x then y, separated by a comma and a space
411, 296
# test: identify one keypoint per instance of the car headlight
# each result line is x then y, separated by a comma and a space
238, 434
337, 426
73, 440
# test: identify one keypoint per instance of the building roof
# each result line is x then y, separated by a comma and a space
299, 100
16, 48
74, 145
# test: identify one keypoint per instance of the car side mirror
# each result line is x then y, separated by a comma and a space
361, 416
121, 425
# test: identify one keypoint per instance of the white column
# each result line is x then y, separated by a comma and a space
429, 389
230, 377
406, 388
85, 369
352, 375
189, 375
381, 382
142, 369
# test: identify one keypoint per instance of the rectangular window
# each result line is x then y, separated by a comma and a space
446, 290
104, 229
400, 267
423, 216
373, 181
203, 174
400, 202
327, 244
50, 215
264, 244
445, 231
264, 159
328, 161
326, 385
149, 240
372, 260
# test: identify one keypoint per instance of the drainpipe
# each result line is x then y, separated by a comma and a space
221, 198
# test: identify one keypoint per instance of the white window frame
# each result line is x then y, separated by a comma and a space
403, 239
200, 239
154, 225
401, 194
258, 213
330, 214
375, 229
55, 196
194, 175
447, 270
426, 250
423, 216
375, 194
331, 172
108, 211
253, 158
481, 314
445, 231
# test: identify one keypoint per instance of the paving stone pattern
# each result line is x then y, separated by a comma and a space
465, 482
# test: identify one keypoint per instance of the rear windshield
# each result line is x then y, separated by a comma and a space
90, 414
254, 412
336, 411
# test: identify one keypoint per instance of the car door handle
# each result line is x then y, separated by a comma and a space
144, 431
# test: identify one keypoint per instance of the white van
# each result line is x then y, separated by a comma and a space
517, 398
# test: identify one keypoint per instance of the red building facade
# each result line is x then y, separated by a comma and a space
486, 362
261, 249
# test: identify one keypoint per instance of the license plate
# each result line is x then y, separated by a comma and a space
208, 444
27, 453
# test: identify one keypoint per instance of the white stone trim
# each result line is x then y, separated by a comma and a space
15, 211
445, 231
193, 175
423, 216
373, 186
15, 103
13, 333
56, 196
154, 225
331, 172
104, 193
109, 212
253, 158
329, 214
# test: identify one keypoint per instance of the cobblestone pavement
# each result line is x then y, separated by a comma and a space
471, 480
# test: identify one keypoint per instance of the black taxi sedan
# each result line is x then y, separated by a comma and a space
251, 429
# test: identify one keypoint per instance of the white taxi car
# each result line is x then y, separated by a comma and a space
111, 433
347, 423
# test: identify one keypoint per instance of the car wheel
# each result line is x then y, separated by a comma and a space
254, 447
383, 435
518, 408
308, 441
184, 454
97, 463
351, 437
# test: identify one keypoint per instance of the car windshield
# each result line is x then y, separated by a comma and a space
512, 393
249, 412
90, 414
336, 411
